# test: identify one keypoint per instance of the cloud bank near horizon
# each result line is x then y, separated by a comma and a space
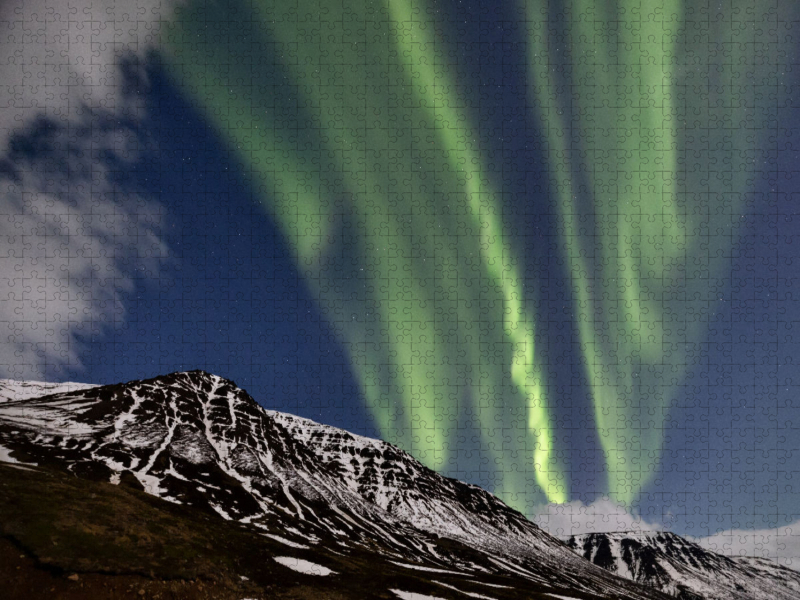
781, 544
603, 515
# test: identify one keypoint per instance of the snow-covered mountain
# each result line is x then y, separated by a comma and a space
198, 440
683, 569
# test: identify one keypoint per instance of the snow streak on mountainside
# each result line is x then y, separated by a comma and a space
683, 569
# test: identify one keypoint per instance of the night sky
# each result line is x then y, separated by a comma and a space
409, 221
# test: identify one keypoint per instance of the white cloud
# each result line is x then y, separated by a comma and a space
781, 544
574, 518
61, 56
71, 238
70, 250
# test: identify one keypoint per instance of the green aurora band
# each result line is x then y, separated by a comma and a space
350, 125
652, 119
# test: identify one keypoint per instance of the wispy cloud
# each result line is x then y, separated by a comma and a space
74, 238
74, 245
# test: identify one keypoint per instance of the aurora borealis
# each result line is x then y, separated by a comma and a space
548, 248
661, 144
389, 187
351, 124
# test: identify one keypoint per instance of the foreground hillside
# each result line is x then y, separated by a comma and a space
68, 537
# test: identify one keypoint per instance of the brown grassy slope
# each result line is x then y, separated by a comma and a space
71, 538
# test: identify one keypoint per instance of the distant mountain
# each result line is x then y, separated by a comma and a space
322, 496
683, 569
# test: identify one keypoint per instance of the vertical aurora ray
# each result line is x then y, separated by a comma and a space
651, 119
349, 122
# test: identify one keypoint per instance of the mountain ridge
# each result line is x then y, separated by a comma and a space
198, 440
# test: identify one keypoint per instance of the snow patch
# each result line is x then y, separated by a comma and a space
221, 511
303, 566
470, 594
495, 585
151, 484
429, 569
312, 539
20, 467
414, 596
513, 568
5, 456
278, 538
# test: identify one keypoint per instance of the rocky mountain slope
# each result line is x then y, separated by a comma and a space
198, 441
683, 569
321, 494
